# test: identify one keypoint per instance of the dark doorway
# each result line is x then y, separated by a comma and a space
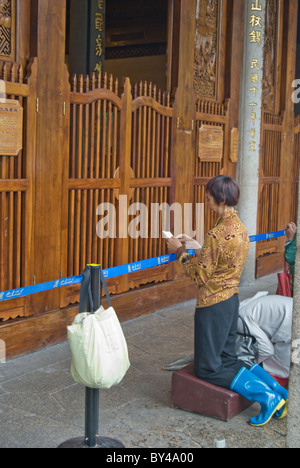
136, 36
136, 40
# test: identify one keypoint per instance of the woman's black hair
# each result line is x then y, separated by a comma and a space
223, 189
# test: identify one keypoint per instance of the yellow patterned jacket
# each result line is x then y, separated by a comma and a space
221, 261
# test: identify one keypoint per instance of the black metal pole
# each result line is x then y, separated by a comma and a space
91, 416
92, 394
91, 276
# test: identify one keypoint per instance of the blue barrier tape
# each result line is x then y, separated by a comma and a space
268, 235
26, 290
114, 271
142, 265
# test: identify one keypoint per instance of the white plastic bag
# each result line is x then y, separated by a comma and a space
99, 349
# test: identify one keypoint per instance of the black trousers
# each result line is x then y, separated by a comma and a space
215, 359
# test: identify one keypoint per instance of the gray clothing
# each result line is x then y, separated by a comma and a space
269, 319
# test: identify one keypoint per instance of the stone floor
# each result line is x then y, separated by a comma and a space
41, 406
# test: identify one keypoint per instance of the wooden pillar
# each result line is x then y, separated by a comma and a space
29, 255
236, 54
173, 45
184, 110
52, 148
183, 134
23, 32
124, 174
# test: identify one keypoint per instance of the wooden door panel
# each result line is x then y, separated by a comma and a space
16, 194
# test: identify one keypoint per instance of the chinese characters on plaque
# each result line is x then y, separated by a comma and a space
11, 124
210, 145
99, 29
86, 36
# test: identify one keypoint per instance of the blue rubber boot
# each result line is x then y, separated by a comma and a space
274, 385
250, 386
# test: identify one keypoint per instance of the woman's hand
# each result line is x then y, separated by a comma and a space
290, 231
189, 243
173, 244
184, 238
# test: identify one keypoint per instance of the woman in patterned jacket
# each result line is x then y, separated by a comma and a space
217, 273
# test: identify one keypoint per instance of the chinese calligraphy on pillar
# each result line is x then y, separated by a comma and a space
255, 64
98, 36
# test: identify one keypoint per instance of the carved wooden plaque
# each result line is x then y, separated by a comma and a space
234, 145
210, 143
11, 127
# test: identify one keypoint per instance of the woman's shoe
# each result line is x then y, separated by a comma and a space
250, 386
274, 385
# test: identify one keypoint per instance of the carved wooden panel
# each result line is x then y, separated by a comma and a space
206, 48
7, 30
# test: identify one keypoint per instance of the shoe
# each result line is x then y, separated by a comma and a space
250, 386
274, 385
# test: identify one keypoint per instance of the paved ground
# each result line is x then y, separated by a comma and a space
41, 406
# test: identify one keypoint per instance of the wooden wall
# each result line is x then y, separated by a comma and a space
279, 156
17, 195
